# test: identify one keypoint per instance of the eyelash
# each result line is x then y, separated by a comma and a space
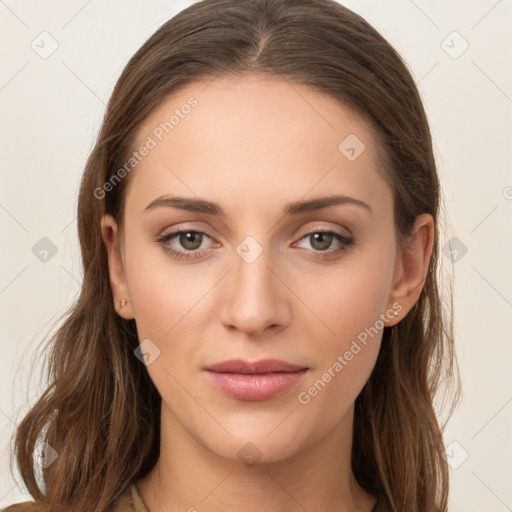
344, 240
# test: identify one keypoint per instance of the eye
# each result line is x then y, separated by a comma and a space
190, 240
321, 241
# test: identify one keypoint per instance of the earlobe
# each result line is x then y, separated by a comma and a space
110, 234
412, 265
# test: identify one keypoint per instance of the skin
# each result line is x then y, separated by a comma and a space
252, 145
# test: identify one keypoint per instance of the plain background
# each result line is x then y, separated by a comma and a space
51, 111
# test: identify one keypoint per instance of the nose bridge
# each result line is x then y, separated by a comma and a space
255, 300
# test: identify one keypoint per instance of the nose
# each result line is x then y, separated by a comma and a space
254, 297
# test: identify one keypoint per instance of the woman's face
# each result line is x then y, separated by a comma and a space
259, 280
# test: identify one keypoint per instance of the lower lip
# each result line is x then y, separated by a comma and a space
256, 386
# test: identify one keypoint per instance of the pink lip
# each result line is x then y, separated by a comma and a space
260, 380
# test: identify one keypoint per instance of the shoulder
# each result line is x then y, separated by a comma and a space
129, 501
26, 506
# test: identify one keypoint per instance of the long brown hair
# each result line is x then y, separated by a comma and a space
101, 411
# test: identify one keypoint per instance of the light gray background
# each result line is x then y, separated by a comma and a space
51, 111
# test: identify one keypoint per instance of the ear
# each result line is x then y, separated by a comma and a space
411, 267
110, 234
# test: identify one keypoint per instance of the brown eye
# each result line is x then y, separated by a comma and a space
326, 244
190, 240
321, 241
184, 244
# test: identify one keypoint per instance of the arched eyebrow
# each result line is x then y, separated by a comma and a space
294, 208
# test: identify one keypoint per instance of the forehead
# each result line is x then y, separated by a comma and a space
250, 138
247, 104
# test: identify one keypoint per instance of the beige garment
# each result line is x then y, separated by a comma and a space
130, 501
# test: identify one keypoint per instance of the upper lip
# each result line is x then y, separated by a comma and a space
246, 367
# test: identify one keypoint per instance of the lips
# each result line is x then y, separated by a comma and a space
256, 381
256, 367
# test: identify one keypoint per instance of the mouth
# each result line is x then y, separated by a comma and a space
256, 381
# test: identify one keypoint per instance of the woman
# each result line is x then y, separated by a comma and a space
260, 323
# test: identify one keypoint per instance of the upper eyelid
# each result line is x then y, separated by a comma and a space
183, 227
179, 230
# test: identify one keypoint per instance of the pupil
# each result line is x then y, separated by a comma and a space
188, 240
319, 237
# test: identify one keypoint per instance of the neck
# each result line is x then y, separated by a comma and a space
190, 477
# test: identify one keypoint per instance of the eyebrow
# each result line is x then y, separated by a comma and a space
293, 208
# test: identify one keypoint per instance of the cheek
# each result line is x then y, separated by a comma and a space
347, 300
345, 355
163, 293
349, 304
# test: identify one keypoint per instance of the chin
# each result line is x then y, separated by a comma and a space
264, 445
